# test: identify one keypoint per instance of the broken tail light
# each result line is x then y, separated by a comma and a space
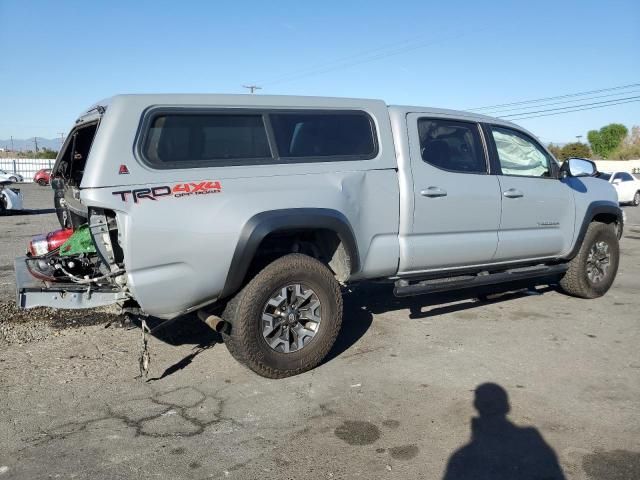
41, 244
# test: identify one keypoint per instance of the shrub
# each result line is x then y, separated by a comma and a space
575, 149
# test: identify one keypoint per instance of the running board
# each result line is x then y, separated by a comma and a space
407, 288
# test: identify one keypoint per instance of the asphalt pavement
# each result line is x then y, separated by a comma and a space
531, 384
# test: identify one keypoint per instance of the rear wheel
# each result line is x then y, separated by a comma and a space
14, 179
286, 319
636, 199
42, 182
593, 270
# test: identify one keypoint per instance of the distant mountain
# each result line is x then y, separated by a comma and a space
28, 144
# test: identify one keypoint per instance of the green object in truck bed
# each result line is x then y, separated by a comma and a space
79, 242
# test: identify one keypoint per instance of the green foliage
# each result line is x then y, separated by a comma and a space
575, 149
555, 150
47, 153
604, 141
630, 148
42, 153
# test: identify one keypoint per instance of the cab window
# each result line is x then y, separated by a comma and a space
451, 145
519, 155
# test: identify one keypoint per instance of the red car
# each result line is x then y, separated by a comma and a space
42, 177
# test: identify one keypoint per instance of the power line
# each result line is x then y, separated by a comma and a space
368, 57
563, 102
332, 63
576, 110
558, 97
572, 106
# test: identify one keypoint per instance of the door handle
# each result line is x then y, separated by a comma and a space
513, 193
434, 192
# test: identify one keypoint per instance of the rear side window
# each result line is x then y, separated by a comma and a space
182, 140
626, 177
451, 145
318, 134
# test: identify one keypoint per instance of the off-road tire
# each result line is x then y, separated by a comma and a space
636, 199
244, 311
575, 281
42, 182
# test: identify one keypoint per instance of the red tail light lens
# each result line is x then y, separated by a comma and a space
41, 244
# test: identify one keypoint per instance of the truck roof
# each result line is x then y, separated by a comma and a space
276, 101
143, 100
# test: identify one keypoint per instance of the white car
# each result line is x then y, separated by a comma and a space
627, 186
10, 177
10, 198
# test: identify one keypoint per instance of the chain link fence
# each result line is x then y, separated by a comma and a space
27, 167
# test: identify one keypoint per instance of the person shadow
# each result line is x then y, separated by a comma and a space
499, 449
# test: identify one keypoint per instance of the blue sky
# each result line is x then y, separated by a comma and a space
60, 57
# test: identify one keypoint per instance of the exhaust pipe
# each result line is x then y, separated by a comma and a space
213, 321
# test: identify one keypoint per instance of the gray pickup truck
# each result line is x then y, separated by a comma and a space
264, 207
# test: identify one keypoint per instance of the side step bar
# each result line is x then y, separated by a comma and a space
407, 288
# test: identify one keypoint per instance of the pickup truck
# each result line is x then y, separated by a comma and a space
263, 208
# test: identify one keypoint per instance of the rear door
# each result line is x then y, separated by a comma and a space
456, 201
537, 208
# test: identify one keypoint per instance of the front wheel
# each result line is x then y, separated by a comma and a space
286, 319
14, 179
42, 182
592, 271
636, 199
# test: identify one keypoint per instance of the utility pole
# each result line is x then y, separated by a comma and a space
578, 137
12, 143
252, 88
61, 138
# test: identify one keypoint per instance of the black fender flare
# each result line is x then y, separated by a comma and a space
596, 208
265, 223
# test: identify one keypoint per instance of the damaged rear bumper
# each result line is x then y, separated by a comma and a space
32, 292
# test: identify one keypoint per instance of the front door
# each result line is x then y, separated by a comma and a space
537, 208
456, 201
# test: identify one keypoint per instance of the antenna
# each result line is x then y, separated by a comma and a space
252, 88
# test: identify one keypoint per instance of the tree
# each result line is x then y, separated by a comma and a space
555, 150
630, 148
607, 139
575, 149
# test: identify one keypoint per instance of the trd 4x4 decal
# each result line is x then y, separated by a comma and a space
178, 190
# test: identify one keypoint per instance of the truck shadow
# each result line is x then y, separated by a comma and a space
361, 303
364, 301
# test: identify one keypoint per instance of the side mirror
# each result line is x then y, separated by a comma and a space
578, 167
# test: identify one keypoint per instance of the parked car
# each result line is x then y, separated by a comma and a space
626, 185
11, 177
10, 198
255, 210
43, 177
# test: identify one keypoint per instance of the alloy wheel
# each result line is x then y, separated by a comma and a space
291, 318
598, 261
